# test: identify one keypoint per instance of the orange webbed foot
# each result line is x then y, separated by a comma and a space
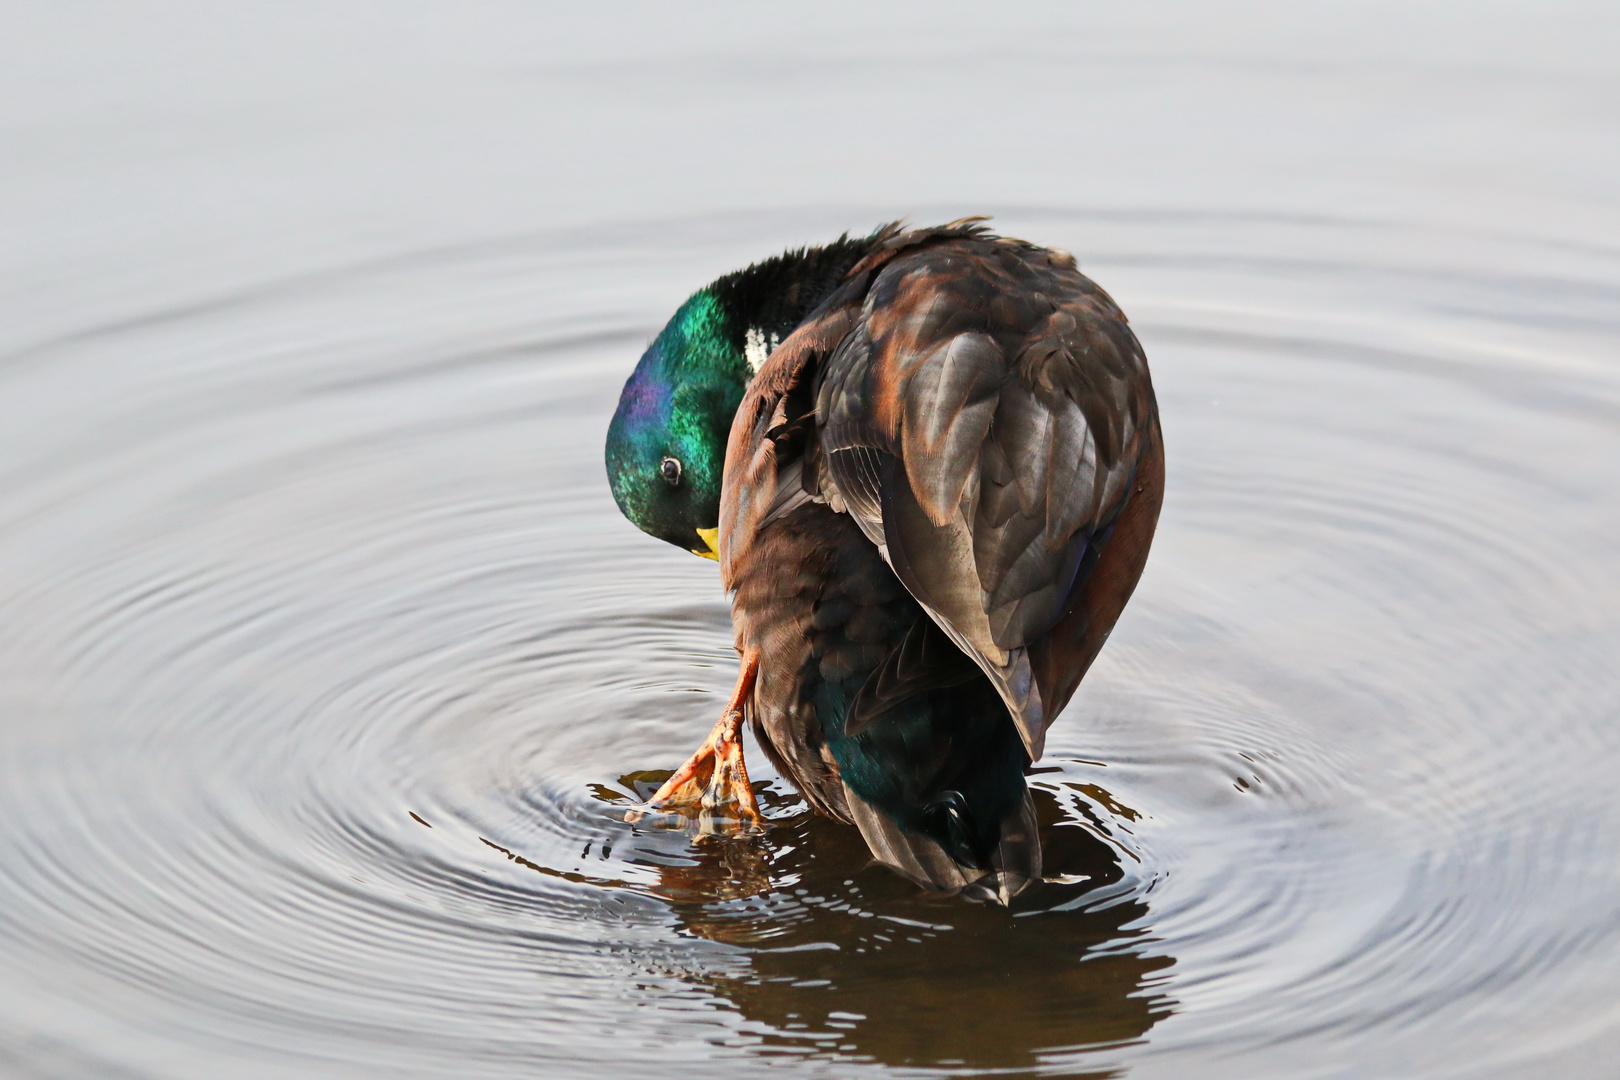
712, 787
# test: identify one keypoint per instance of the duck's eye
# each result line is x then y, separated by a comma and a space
670, 470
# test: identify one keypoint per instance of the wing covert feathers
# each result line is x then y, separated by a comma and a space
997, 402
984, 414
980, 409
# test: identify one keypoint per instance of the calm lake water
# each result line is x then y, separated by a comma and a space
328, 667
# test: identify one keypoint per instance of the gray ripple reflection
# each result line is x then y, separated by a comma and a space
330, 670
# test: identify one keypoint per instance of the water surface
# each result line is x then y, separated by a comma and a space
329, 668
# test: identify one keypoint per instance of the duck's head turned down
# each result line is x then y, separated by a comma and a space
666, 444
942, 474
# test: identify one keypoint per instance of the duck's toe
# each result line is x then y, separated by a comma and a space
711, 789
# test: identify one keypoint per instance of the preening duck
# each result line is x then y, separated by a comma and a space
930, 465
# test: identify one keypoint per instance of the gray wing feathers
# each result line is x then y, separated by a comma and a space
790, 493
1027, 526
965, 529
949, 404
984, 460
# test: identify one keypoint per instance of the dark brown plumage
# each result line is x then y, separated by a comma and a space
939, 493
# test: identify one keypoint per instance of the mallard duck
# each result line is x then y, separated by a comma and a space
930, 466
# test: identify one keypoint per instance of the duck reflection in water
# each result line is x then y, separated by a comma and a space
848, 961
929, 464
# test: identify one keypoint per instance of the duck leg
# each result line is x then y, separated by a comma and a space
715, 779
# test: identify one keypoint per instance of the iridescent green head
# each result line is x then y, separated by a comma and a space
667, 441
666, 444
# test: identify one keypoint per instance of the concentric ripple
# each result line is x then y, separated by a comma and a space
331, 673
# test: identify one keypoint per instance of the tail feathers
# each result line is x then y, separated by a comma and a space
913, 855
1014, 865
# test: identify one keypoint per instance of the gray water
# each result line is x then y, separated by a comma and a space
328, 668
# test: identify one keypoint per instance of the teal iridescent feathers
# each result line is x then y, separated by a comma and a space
939, 493
666, 444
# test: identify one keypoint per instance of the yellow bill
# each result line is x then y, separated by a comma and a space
711, 537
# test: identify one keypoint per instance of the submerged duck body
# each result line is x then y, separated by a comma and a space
938, 492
